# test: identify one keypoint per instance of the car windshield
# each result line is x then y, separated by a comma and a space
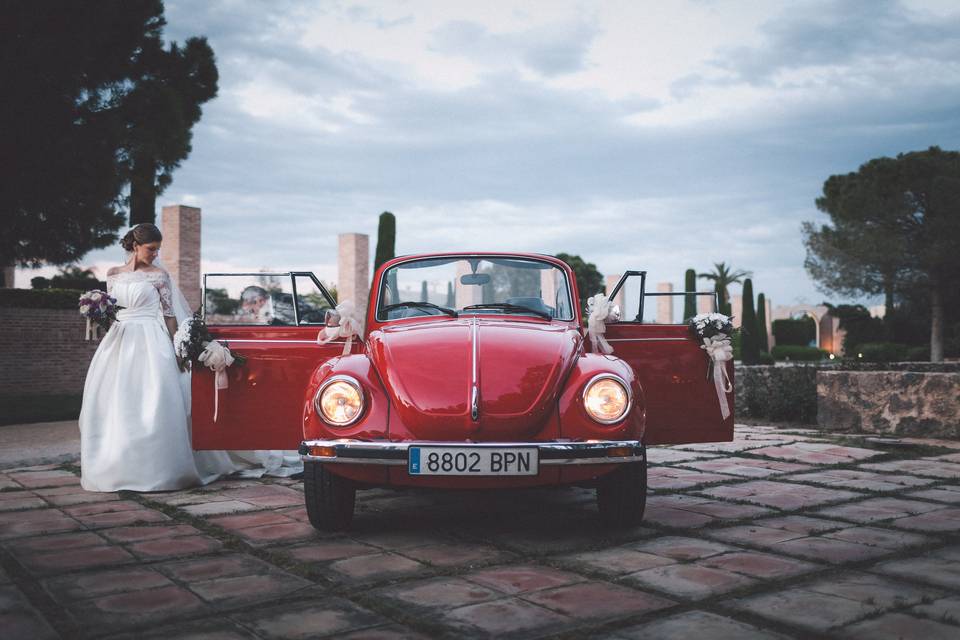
474, 284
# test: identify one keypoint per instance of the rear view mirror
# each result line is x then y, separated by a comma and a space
475, 278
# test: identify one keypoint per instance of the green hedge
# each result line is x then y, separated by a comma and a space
23, 409
794, 332
786, 394
798, 353
41, 298
883, 351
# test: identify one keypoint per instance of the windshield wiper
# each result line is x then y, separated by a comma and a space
506, 306
421, 305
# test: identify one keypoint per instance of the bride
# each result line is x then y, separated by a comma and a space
135, 418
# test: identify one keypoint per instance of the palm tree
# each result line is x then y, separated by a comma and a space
722, 277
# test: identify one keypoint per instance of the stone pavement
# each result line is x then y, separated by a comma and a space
780, 534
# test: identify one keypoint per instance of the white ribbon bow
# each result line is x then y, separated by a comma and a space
719, 350
217, 357
600, 309
349, 324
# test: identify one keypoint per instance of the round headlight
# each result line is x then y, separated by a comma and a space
606, 399
339, 401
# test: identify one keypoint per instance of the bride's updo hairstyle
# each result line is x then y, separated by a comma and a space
141, 234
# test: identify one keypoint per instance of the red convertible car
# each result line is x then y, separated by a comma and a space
473, 371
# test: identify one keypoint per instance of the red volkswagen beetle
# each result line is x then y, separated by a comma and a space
474, 371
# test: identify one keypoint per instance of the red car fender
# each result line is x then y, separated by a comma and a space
576, 424
372, 424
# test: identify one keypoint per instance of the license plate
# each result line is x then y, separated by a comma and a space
473, 461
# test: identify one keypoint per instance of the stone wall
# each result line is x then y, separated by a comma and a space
43, 351
900, 403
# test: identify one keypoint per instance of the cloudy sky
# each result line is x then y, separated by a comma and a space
653, 135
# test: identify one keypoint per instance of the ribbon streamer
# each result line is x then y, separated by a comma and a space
600, 310
217, 358
89, 335
719, 350
347, 325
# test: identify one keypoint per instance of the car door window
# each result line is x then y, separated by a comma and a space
312, 302
249, 299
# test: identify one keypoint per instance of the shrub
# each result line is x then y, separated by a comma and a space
24, 409
794, 332
778, 393
40, 298
750, 343
918, 354
798, 353
882, 351
689, 301
765, 358
762, 323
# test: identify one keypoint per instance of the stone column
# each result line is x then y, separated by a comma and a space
664, 303
611, 281
8, 275
736, 309
466, 294
705, 304
180, 226
353, 269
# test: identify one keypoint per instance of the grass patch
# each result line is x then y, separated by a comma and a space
24, 409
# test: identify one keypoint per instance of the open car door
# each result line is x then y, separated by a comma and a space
272, 320
682, 403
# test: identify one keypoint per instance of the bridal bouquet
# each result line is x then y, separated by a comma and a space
193, 341
98, 308
715, 333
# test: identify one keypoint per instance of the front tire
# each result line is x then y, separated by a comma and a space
622, 494
330, 498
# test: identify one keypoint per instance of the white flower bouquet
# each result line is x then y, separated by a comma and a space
715, 333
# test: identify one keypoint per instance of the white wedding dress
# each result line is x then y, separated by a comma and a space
135, 419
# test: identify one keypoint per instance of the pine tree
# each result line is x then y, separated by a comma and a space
762, 324
386, 239
690, 301
749, 344
160, 112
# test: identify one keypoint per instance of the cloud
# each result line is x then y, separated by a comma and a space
550, 50
516, 131
841, 34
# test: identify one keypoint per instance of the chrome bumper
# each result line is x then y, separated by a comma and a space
395, 453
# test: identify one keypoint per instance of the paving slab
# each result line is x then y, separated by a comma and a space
743, 539
697, 624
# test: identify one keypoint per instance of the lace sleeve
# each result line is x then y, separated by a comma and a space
110, 279
166, 300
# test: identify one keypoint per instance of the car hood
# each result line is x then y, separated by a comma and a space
428, 369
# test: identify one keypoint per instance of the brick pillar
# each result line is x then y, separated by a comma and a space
705, 304
181, 249
736, 309
353, 269
8, 275
664, 303
612, 281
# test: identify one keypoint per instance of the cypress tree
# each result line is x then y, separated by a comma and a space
762, 324
423, 291
749, 344
386, 239
690, 301
451, 298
